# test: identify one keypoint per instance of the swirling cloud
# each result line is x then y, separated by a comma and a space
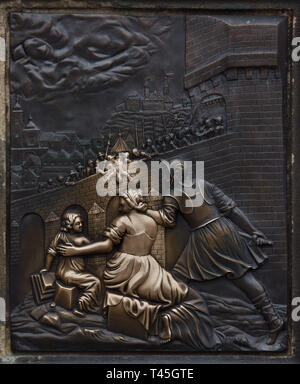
57, 54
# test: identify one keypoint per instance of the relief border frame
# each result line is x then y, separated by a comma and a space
275, 7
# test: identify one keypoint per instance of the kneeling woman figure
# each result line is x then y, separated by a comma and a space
160, 299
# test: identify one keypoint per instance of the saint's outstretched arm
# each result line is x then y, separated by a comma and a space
105, 246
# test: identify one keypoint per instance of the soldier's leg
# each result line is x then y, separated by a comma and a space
261, 299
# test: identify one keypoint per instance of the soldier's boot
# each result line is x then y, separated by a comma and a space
275, 322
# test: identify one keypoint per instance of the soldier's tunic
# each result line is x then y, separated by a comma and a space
215, 246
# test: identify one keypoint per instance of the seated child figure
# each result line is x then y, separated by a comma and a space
71, 270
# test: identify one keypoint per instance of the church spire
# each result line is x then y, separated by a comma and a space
17, 106
120, 145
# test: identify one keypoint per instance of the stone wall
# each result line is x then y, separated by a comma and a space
250, 163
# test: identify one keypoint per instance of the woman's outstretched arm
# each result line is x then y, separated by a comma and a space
167, 215
105, 246
155, 216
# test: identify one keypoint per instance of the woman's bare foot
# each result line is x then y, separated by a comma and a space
165, 334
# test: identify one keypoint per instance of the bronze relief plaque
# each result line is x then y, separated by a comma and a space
136, 271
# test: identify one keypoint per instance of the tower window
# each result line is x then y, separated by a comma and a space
30, 141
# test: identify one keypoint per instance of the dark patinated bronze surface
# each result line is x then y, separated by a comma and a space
145, 273
154, 108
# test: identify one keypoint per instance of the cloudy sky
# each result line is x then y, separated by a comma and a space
72, 70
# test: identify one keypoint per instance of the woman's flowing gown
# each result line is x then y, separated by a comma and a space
150, 290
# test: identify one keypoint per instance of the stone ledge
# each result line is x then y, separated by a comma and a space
229, 60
